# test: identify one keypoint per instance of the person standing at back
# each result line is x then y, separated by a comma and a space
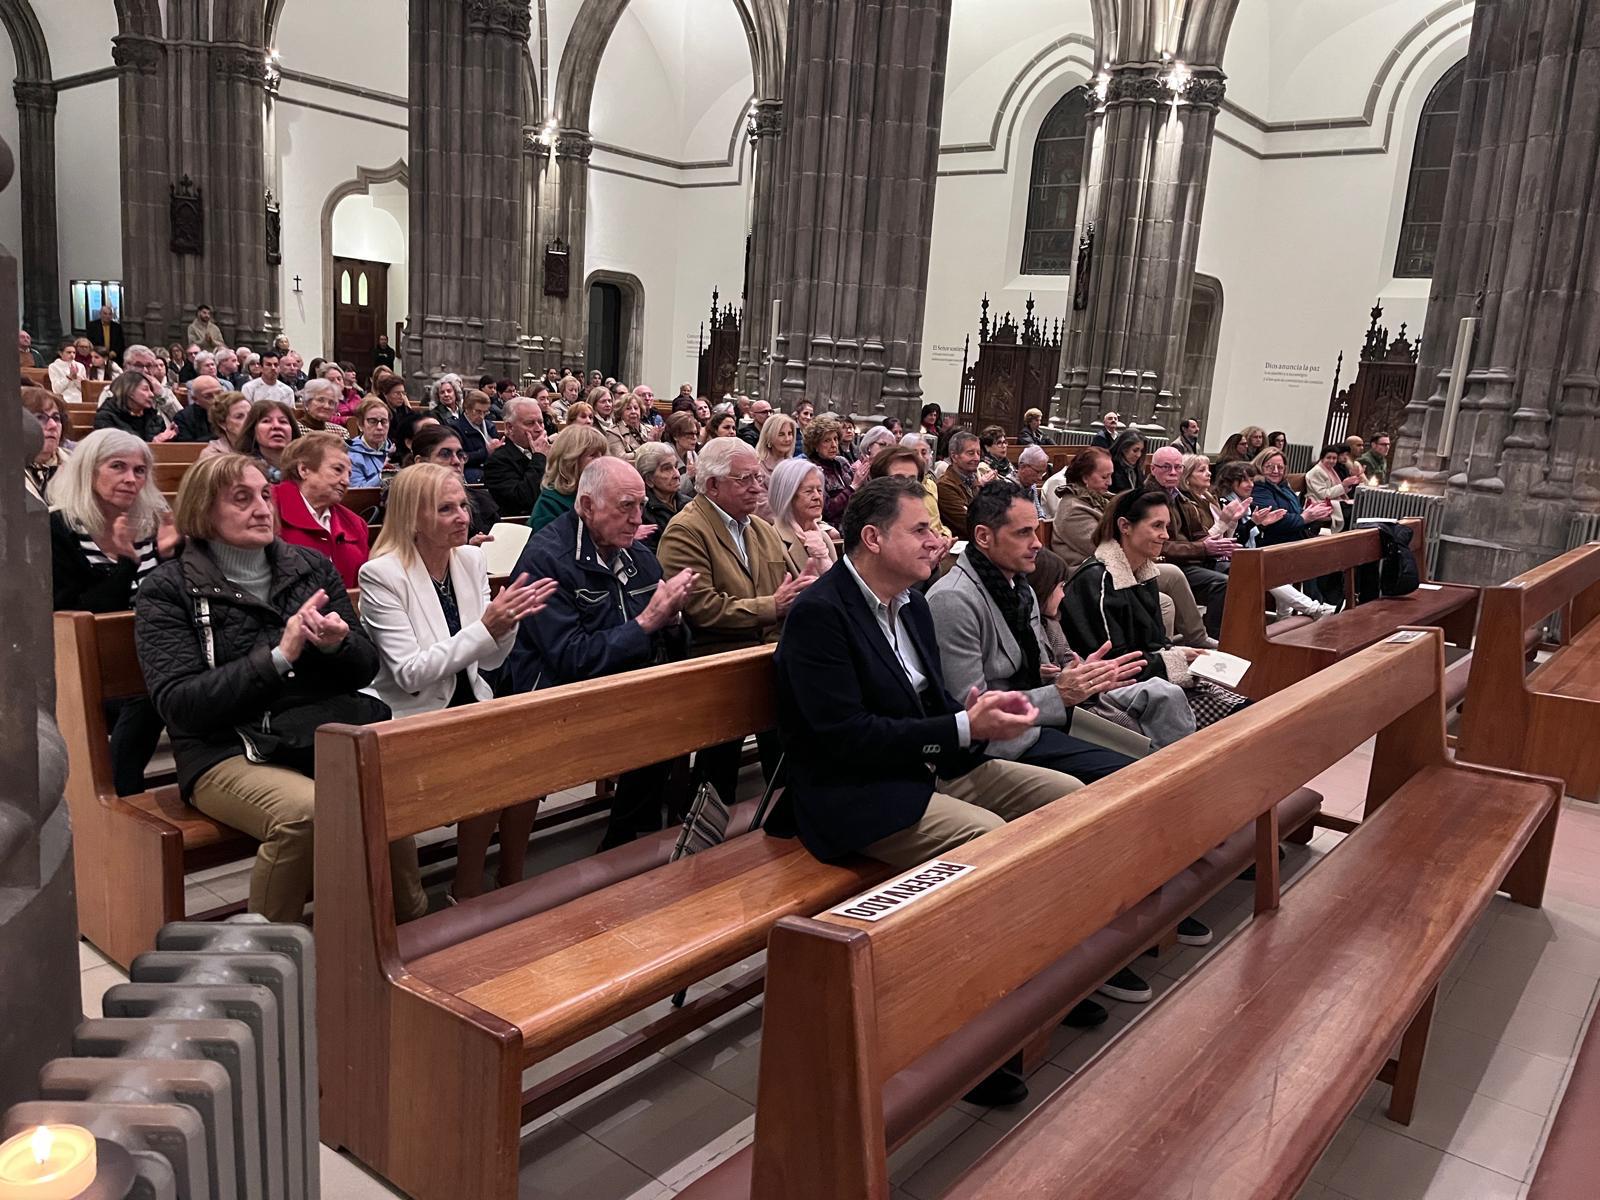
203, 331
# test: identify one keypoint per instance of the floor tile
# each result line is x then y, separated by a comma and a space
1387, 1166
1494, 1069
1554, 987
560, 1162
1483, 1131
1042, 1084
910, 1157
88, 956
663, 1116
199, 898
93, 984
934, 1177
718, 1150
1338, 1150
1508, 1018
728, 1055
345, 1179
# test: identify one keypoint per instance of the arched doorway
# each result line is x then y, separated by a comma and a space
616, 325
365, 225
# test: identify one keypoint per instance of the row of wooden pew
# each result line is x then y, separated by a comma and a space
445, 1013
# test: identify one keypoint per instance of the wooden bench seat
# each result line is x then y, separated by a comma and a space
1544, 720
850, 1003
130, 853
1289, 651
1242, 1074
496, 990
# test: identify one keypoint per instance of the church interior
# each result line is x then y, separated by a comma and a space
1339, 221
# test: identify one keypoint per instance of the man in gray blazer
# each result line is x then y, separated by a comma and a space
990, 637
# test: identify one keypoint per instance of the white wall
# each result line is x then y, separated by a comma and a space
373, 227
88, 187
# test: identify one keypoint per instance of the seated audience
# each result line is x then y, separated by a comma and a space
1202, 558
441, 445
448, 394
267, 385
1032, 433
868, 446
776, 442
657, 465
109, 528
1235, 449
1272, 491
514, 473
612, 611
46, 408
627, 433
922, 446
1235, 482
1033, 464
316, 475
995, 462
243, 635
477, 433
320, 406
67, 373
796, 496
425, 604
722, 422
230, 371
573, 449
129, 405
580, 413
194, 421
266, 434
604, 401
1375, 462
402, 417
1278, 440
230, 411
847, 437
1110, 429
370, 449
1189, 437
1127, 462
101, 368
1323, 482
822, 449
742, 588
959, 484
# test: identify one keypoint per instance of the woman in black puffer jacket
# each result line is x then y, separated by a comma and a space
243, 636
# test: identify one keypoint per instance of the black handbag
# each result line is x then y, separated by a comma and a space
287, 736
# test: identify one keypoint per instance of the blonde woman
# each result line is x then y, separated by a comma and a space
425, 604
775, 444
571, 450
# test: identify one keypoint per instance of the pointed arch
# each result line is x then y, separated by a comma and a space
27, 41
365, 180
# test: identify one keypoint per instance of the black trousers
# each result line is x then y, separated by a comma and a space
641, 797
135, 729
1210, 588
1058, 750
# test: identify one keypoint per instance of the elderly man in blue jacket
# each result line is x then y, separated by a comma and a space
612, 611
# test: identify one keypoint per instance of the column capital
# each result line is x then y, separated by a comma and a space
1203, 91
34, 95
508, 18
574, 145
766, 120
1136, 83
134, 54
231, 60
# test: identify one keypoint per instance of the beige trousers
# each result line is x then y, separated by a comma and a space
1188, 628
274, 806
969, 807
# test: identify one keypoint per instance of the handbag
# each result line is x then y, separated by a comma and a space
1211, 702
287, 736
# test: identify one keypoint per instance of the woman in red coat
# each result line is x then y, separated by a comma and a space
316, 474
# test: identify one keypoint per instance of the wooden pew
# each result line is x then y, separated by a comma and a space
1060, 456
1547, 720
1237, 1080
442, 1015
1294, 649
186, 453
36, 377
79, 425
130, 853
1567, 1167
92, 390
169, 475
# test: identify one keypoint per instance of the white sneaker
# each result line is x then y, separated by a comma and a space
1324, 610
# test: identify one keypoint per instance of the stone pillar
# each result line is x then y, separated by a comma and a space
233, 275
466, 187
864, 89
148, 313
574, 147
39, 1004
41, 274
1520, 249
766, 145
535, 162
1146, 177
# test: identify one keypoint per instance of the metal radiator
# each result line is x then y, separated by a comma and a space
1074, 437
1383, 504
1299, 458
203, 1067
1585, 529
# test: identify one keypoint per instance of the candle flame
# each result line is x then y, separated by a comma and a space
40, 1145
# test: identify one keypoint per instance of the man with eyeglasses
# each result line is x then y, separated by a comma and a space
741, 590
750, 426
143, 360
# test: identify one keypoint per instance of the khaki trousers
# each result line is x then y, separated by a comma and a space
1187, 626
274, 806
969, 807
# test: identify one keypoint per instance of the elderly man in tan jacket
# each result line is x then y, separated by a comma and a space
743, 587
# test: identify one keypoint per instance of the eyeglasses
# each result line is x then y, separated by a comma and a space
452, 455
46, 417
748, 479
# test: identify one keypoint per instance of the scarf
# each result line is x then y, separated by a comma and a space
1015, 602
1099, 501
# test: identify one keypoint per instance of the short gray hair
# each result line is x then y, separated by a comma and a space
715, 460
205, 356
136, 351
959, 442
1033, 456
648, 458
918, 441
601, 476
868, 442
785, 484
319, 385
71, 491
517, 403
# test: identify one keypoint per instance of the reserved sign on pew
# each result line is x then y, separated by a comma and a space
897, 893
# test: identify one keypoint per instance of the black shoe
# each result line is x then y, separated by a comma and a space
1128, 986
1248, 875
1002, 1088
1194, 933
1086, 1014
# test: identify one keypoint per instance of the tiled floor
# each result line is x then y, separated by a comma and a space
1510, 1012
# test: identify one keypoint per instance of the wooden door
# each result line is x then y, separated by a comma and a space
360, 311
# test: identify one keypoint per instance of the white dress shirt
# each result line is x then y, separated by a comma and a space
735, 531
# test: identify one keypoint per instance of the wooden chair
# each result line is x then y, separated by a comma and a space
130, 852
444, 1014
1237, 1080
1295, 649
1546, 720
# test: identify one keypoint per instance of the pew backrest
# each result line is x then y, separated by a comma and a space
867, 999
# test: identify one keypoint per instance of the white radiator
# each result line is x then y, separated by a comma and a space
1585, 529
1384, 504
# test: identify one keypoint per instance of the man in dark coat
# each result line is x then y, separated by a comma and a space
515, 472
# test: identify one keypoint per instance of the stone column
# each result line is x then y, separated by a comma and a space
39, 1005
1520, 249
149, 315
864, 94
766, 144
233, 275
1146, 177
466, 187
41, 274
570, 313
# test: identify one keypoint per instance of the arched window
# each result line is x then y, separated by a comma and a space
1049, 245
1430, 177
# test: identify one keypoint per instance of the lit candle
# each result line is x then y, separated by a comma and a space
51, 1162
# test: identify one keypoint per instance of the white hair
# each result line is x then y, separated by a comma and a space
868, 442
648, 458
716, 460
71, 491
204, 357
1033, 455
918, 441
317, 386
787, 478
601, 476
516, 403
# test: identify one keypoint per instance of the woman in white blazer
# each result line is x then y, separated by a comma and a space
425, 602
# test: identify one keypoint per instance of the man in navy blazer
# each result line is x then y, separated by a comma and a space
882, 761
